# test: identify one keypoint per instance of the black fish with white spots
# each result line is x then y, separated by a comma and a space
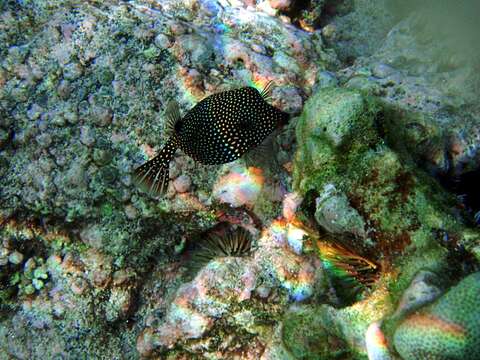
219, 129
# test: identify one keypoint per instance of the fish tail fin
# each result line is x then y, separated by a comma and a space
153, 176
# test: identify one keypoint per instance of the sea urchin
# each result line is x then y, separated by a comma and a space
236, 243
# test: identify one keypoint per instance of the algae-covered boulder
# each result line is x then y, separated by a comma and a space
334, 121
447, 329
308, 334
427, 68
340, 144
322, 332
407, 218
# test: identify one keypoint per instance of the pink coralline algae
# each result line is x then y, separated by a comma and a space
282, 259
291, 203
285, 55
214, 291
241, 186
225, 283
376, 343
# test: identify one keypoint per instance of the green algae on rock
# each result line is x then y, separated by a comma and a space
309, 334
333, 121
426, 70
313, 331
340, 146
403, 210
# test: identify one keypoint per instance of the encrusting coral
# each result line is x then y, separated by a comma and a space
447, 329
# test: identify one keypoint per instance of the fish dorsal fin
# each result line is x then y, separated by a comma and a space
172, 113
267, 90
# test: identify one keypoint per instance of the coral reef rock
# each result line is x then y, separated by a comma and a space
362, 212
245, 295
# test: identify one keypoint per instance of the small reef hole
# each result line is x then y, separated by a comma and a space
465, 187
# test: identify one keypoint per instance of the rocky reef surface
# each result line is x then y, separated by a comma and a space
360, 227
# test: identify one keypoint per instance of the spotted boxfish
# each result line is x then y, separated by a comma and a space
219, 129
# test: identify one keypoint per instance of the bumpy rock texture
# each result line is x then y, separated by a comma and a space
362, 211
447, 329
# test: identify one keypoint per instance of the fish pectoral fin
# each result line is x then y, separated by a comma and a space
172, 113
262, 153
267, 90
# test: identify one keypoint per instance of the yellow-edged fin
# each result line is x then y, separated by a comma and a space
172, 113
153, 176
267, 91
